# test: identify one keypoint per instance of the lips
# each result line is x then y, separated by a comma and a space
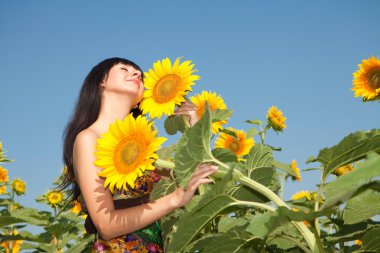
135, 81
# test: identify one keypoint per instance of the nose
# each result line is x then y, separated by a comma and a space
136, 74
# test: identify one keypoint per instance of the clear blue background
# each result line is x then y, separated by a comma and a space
297, 55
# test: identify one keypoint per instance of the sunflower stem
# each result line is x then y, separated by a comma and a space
164, 164
185, 121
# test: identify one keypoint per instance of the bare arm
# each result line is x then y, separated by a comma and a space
110, 222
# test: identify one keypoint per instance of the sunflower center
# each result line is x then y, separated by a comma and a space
166, 88
127, 154
234, 146
374, 80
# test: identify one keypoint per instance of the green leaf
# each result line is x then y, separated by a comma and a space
32, 216
267, 177
229, 132
262, 224
371, 242
25, 236
166, 152
255, 122
81, 246
226, 223
350, 232
260, 156
252, 132
193, 148
162, 188
221, 114
363, 206
190, 224
352, 148
224, 155
9, 220
284, 167
345, 186
173, 124
232, 241
201, 243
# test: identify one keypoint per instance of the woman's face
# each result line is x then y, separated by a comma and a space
126, 79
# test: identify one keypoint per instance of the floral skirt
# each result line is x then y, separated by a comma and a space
146, 240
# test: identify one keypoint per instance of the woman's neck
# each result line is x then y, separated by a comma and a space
111, 109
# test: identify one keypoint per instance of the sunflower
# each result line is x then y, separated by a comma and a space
239, 146
18, 186
3, 189
126, 151
367, 79
3, 174
14, 245
54, 198
275, 119
301, 194
296, 171
343, 170
77, 207
166, 86
214, 101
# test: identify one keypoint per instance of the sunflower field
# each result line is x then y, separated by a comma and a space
244, 209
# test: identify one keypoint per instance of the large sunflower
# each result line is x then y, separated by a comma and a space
239, 146
275, 119
166, 86
367, 79
126, 151
214, 101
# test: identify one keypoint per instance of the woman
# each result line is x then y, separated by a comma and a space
122, 221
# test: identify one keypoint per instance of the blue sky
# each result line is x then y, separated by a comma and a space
297, 55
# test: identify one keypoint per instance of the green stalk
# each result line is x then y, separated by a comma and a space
255, 204
165, 164
296, 242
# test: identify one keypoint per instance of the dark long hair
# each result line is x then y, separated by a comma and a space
85, 114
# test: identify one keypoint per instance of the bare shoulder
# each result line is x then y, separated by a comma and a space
86, 137
84, 147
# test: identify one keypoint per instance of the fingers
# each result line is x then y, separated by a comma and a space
199, 182
202, 173
187, 106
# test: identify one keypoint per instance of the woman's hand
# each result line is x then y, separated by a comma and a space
181, 197
190, 110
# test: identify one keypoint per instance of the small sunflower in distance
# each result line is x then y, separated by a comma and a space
54, 198
275, 119
240, 146
214, 101
18, 186
77, 207
166, 86
3, 174
126, 151
3, 189
301, 194
366, 80
343, 170
296, 171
